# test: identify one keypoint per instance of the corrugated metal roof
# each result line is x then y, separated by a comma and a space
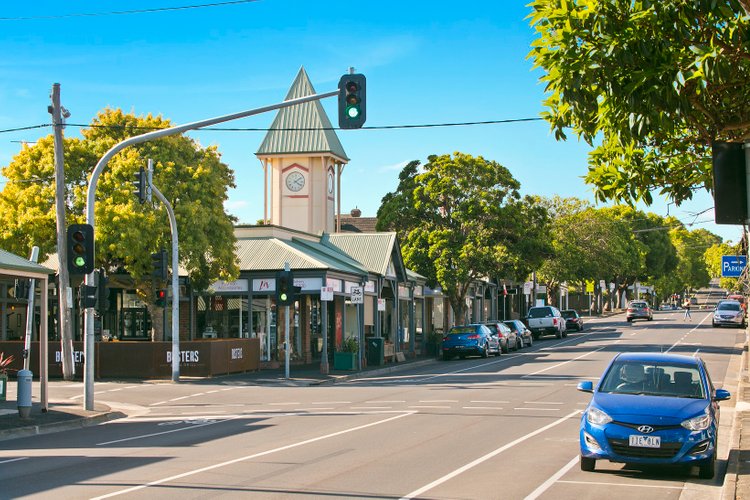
12, 262
373, 250
261, 254
318, 135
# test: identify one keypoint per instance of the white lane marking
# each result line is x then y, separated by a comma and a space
481, 408
13, 460
541, 403
597, 483
538, 409
688, 333
486, 457
371, 407
389, 401
549, 482
438, 401
132, 438
331, 402
428, 406
284, 404
249, 457
566, 362
488, 401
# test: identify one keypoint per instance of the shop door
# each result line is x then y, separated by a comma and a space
135, 324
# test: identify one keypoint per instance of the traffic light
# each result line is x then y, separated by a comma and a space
88, 296
352, 110
284, 288
103, 299
21, 289
160, 297
140, 185
159, 265
80, 248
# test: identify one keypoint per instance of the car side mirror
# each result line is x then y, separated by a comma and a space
588, 386
721, 395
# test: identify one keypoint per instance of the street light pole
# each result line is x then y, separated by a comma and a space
88, 374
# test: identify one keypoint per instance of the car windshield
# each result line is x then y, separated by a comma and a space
568, 314
653, 379
729, 306
511, 324
540, 312
638, 305
458, 330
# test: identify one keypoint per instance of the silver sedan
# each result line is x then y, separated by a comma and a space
729, 312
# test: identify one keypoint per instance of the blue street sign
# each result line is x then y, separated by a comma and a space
732, 265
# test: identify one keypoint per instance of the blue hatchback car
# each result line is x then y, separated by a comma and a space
652, 408
469, 339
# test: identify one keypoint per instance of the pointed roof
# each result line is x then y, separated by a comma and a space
316, 135
10, 262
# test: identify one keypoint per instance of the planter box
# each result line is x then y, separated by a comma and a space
344, 361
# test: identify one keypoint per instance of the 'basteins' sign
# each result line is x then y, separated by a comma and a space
732, 265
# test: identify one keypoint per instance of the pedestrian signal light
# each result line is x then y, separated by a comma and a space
80, 248
352, 101
160, 298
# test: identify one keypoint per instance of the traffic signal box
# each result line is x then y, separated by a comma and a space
159, 265
80, 246
160, 297
140, 185
352, 110
286, 292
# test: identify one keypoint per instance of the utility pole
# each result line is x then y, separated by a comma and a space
65, 324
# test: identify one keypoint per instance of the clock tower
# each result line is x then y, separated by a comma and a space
302, 162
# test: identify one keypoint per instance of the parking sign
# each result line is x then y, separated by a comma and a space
732, 265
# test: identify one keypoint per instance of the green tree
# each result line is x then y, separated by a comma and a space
692, 271
653, 83
712, 258
191, 177
461, 219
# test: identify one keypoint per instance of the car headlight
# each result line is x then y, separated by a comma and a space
596, 416
699, 423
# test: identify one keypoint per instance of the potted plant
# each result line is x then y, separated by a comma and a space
345, 357
5, 361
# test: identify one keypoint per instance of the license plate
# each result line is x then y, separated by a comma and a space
645, 441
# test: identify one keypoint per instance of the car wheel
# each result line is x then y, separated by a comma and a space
629, 320
446, 356
558, 334
707, 468
580, 328
531, 340
486, 350
713, 324
588, 464
505, 348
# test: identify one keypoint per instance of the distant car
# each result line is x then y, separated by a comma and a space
465, 340
506, 336
546, 319
652, 408
572, 319
639, 309
667, 307
521, 330
729, 312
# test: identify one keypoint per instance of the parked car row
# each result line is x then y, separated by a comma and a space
496, 337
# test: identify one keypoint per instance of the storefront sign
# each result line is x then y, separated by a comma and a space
419, 291
370, 287
381, 304
264, 285
527, 286
403, 292
308, 283
336, 284
326, 293
229, 286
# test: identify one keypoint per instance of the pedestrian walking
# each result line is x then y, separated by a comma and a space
687, 310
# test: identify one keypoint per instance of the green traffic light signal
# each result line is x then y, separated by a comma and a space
352, 112
80, 249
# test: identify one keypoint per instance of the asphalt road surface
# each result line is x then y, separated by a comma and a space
503, 427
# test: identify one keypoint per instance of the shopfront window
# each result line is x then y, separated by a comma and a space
221, 316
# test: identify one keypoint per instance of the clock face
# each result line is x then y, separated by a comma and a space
330, 182
295, 181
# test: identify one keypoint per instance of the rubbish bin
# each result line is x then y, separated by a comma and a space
24, 393
375, 351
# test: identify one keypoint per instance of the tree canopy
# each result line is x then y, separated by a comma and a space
191, 177
460, 219
652, 83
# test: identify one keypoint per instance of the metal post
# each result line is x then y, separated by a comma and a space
324, 368
66, 328
287, 343
175, 277
30, 312
88, 377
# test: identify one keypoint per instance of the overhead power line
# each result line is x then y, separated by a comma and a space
293, 129
127, 12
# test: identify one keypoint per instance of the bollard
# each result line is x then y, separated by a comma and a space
24, 393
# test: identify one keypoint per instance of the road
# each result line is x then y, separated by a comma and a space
504, 427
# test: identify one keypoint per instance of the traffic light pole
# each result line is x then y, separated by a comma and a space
88, 374
175, 277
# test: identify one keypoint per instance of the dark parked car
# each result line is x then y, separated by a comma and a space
652, 408
506, 336
521, 330
464, 340
573, 321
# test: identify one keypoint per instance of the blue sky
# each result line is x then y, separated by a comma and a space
425, 63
